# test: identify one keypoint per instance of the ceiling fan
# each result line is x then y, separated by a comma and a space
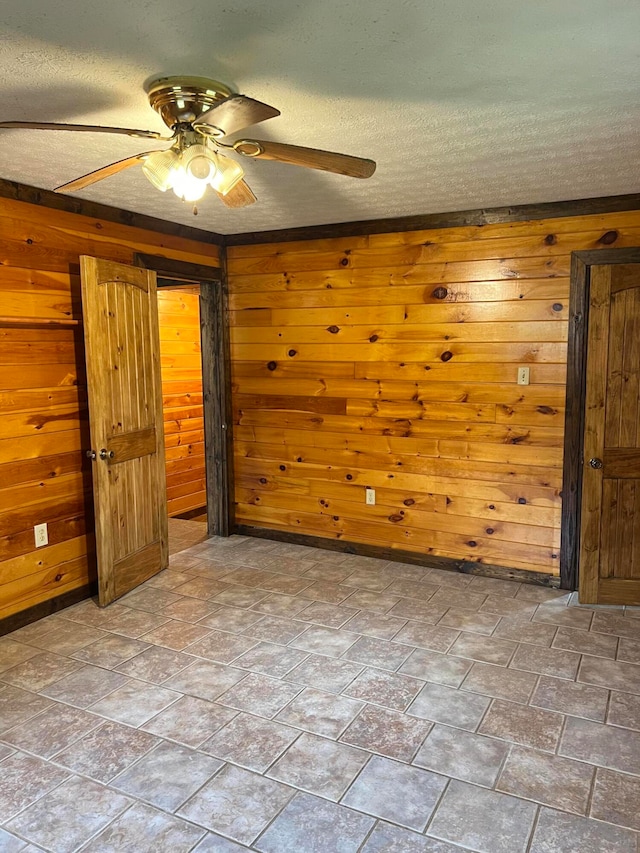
201, 114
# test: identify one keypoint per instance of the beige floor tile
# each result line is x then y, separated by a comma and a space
325, 673
624, 710
485, 649
330, 593
375, 625
500, 682
395, 792
190, 721
470, 621
144, 828
432, 666
325, 641
386, 732
556, 662
220, 646
85, 686
462, 755
523, 725
568, 697
558, 832
63, 819
315, 826
419, 611
319, 766
586, 642
17, 706
23, 780
106, 751
258, 694
237, 803
230, 619
110, 651
251, 742
629, 650
605, 746
167, 776
205, 679
432, 637
13, 653
52, 730
612, 674
445, 705
276, 629
135, 702
385, 688
155, 664
329, 615
270, 659
483, 821
380, 653
525, 631
615, 799
616, 624
40, 671
557, 782
320, 713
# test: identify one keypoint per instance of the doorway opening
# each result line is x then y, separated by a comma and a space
194, 354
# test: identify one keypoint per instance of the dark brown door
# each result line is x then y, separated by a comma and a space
125, 418
610, 525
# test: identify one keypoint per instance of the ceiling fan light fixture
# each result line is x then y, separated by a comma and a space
227, 175
185, 186
158, 168
199, 162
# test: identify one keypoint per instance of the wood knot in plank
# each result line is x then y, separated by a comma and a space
608, 238
333, 329
272, 365
447, 355
550, 240
440, 293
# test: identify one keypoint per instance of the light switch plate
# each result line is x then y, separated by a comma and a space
523, 376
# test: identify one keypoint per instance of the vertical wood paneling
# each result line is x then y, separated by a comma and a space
44, 476
179, 318
390, 361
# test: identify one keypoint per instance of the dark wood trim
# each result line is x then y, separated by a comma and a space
218, 419
395, 555
46, 198
177, 270
46, 608
481, 216
581, 263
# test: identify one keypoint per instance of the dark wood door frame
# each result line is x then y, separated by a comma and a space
581, 264
216, 381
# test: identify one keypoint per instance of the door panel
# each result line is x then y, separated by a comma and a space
125, 420
610, 529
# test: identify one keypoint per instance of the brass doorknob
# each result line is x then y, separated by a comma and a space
595, 463
106, 454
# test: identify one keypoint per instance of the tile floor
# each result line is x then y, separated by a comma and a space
275, 698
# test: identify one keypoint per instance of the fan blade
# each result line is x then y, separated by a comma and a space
234, 113
240, 196
87, 128
312, 158
100, 174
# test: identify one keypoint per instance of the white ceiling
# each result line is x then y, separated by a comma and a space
462, 103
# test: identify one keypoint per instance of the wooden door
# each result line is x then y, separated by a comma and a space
610, 526
125, 420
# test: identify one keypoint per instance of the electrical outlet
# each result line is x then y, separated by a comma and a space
41, 535
370, 497
523, 376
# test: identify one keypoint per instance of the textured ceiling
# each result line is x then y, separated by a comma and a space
462, 103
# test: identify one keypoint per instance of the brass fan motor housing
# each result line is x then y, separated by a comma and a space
183, 100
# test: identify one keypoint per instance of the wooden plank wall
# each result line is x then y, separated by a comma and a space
390, 361
44, 476
181, 361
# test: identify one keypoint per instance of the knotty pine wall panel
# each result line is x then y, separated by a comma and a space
179, 321
390, 361
44, 475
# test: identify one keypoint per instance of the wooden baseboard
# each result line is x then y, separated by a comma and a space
397, 556
45, 608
